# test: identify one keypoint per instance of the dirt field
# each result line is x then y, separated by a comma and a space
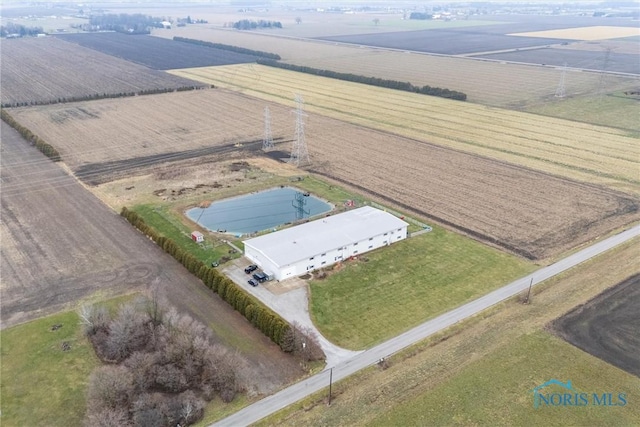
584, 33
580, 151
490, 83
529, 213
607, 326
155, 52
62, 246
46, 69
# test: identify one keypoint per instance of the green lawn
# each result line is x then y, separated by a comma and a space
497, 390
42, 385
406, 284
615, 110
161, 219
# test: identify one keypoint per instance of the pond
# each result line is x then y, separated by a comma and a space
258, 211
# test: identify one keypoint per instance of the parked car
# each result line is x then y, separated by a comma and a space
260, 277
253, 282
251, 268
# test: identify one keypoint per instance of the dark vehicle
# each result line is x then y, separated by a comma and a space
251, 268
260, 277
252, 282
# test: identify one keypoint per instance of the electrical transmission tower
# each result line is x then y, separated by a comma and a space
299, 151
267, 141
298, 203
603, 72
560, 91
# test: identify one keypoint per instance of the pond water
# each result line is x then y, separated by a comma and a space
258, 211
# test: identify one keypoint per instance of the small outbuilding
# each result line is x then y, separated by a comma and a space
323, 242
197, 237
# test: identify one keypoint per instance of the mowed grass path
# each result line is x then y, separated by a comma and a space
575, 150
42, 385
497, 390
405, 284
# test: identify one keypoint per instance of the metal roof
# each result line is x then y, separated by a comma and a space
313, 238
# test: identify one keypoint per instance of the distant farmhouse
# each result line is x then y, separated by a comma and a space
323, 242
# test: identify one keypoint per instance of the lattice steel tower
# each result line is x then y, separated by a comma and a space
603, 72
298, 204
561, 91
267, 141
299, 151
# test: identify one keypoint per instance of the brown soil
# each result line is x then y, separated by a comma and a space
608, 326
529, 213
61, 246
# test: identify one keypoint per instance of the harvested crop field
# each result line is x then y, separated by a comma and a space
485, 82
529, 213
36, 70
589, 153
607, 326
156, 52
584, 33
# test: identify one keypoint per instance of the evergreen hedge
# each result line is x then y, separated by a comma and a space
260, 316
237, 49
95, 96
373, 81
46, 148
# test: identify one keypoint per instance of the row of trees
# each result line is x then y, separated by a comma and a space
95, 96
245, 24
46, 148
260, 316
231, 48
161, 367
136, 23
12, 29
373, 81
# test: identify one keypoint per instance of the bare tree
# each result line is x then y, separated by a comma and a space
110, 387
298, 20
108, 417
93, 318
376, 21
127, 333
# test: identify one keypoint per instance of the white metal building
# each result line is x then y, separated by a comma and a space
320, 243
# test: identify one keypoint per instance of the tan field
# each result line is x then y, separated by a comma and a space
529, 213
492, 83
589, 153
584, 33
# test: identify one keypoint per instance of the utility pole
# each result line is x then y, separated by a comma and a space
330, 382
526, 301
561, 91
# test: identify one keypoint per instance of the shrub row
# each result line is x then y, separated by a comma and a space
263, 318
46, 148
101, 96
373, 81
231, 48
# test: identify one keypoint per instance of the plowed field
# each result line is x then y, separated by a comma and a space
47, 69
589, 153
530, 213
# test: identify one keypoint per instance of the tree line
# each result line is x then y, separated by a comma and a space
12, 29
245, 24
231, 48
46, 148
373, 81
95, 96
260, 316
160, 367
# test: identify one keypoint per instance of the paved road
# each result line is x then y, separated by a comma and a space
292, 394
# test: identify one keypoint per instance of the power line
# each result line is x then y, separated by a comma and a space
299, 151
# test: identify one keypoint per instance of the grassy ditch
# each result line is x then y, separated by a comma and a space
390, 290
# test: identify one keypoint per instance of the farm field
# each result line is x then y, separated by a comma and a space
47, 69
586, 59
483, 371
607, 326
155, 52
584, 33
517, 196
61, 246
516, 86
528, 213
574, 150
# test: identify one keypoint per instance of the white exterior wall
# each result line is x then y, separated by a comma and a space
324, 259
